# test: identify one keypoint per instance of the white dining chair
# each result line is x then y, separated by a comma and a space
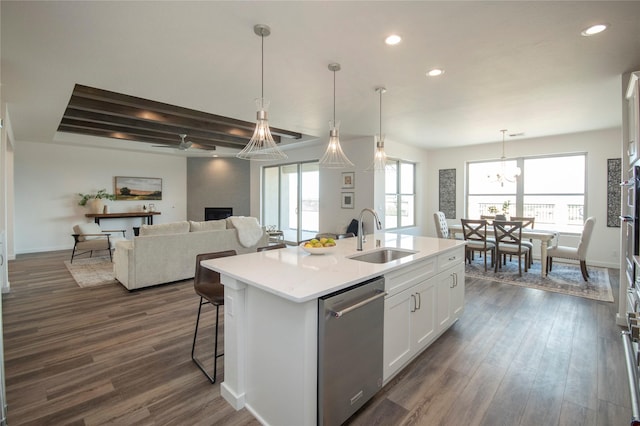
578, 253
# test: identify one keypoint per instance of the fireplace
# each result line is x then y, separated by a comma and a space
216, 213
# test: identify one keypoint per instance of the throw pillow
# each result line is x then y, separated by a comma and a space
208, 225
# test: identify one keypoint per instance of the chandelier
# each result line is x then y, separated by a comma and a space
334, 157
504, 173
379, 156
262, 147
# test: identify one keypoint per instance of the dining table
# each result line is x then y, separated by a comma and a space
545, 237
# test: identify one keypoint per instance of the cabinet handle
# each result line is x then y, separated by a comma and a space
1, 260
452, 258
419, 301
378, 295
455, 277
413, 308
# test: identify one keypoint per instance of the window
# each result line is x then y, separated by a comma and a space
400, 194
552, 189
288, 190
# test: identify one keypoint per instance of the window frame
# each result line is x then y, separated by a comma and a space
299, 165
520, 195
394, 163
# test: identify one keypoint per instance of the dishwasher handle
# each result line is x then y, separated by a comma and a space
340, 313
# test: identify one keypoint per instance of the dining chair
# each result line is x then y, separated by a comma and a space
442, 229
488, 218
576, 253
508, 237
475, 234
527, 223
207, 285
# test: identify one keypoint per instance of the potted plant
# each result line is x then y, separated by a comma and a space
94, 201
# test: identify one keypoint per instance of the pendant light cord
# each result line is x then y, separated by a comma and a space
334, 97
262, 70
381, 113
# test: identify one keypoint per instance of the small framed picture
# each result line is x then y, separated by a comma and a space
347, 200
348, 180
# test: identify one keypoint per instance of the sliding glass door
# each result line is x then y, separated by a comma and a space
290, 199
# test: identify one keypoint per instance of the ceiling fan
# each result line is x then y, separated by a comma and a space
184, 145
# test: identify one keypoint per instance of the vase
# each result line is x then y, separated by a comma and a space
95, 205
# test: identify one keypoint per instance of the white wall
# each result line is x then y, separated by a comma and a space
601, 145
48, 178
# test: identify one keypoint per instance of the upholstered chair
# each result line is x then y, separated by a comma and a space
578, 253
442, 229
89, 237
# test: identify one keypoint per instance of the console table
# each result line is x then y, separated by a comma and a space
147, 215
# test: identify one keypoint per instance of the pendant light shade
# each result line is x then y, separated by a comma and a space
379, 156
262, 147
334, 157
504, 173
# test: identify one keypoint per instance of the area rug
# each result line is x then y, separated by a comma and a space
92, 272
564, 278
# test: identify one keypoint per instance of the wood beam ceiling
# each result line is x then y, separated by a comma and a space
103, 113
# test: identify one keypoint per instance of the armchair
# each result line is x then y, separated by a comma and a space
89, 237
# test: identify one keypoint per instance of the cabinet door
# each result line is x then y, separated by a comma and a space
423, 322
444, 285
633, 121
457, 292
397, 331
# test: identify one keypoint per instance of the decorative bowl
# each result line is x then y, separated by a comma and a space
317, 250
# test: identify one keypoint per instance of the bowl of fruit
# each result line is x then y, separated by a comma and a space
319, 245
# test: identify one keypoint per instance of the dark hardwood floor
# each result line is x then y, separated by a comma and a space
104, 355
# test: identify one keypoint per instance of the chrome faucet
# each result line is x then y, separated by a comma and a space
360, 233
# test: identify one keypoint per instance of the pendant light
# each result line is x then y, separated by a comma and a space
379, 156
262, 147
334, 157
504, 173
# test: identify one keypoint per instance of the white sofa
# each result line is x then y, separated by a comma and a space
166, 252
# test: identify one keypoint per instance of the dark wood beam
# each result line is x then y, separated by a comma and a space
114, 98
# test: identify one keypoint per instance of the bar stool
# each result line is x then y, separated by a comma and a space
206, 284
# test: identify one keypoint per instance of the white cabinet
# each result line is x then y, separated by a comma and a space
424, 309
450, 296
633, 120
409, 325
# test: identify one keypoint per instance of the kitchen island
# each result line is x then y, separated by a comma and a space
271, 315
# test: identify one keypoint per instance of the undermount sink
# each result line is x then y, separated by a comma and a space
382, 255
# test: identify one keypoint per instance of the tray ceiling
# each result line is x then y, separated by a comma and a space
96, 112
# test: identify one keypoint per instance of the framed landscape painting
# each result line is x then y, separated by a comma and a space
138, 188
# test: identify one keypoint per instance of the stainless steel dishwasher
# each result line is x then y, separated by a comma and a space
350, 333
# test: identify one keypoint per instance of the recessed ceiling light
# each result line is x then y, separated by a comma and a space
594, 29
393, 39
435, 72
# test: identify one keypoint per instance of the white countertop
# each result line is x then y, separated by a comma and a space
299, 276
